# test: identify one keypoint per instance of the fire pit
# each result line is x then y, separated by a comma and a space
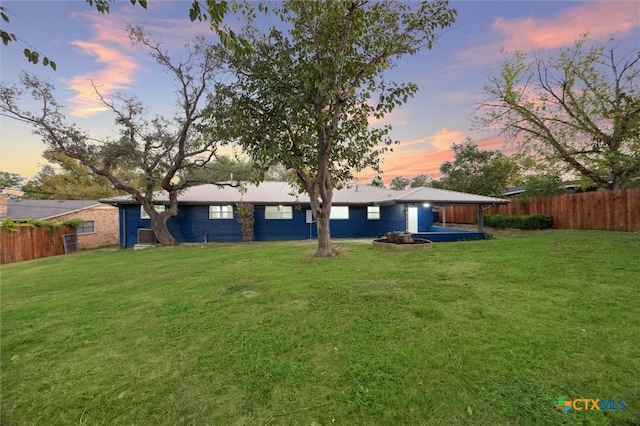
401, 241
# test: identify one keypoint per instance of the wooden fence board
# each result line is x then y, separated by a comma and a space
601, 210
26, 243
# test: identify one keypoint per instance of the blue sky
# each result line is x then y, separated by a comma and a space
88, 46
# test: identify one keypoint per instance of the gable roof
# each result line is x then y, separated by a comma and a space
285, 193
46, 209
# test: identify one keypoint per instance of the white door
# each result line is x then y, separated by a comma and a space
412, 219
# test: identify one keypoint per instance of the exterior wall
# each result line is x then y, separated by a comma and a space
192, 224
105, 225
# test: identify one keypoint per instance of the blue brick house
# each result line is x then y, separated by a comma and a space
209, 213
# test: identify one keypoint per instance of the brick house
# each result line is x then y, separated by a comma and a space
101, 220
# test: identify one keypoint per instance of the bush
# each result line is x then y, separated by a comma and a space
530, 221
11, 225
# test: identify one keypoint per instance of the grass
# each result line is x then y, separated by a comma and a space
471, 333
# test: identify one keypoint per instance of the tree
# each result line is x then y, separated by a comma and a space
399, 183
541, 185
222, 168
75, 182
377, 182
10, 180
198, 11
579, 109
477, 171
158, 149
420, 181
302, 98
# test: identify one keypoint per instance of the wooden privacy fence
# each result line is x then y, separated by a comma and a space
27, 242
608, 210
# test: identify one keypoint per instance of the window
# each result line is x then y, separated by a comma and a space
220, 212
157, 207
339, 212
278, 212
373, 212
87, 228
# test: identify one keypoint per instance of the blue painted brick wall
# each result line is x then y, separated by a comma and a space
192, 224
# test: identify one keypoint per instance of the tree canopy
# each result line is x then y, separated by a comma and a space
302, 98
578, 109
10, 180
74, 182
399, 183
157, 149
477, 171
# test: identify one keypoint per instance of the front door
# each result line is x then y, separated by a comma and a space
412, 219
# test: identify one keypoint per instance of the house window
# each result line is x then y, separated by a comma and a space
339, 212
278, 212
87, 228
157, 207
373, 212
220, 212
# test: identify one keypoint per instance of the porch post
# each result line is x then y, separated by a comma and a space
444, 216
480, 219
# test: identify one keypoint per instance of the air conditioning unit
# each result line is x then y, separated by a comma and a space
146, 236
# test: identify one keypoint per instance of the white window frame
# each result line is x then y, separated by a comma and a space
278, 212
373, 212
157, 207
339, 213
221, 212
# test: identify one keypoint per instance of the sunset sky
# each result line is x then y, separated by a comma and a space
89, 47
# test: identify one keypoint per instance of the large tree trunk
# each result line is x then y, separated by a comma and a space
159, 226
321, 206
324, 233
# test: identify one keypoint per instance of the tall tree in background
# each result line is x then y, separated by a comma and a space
477, 171
74, 182
303, 98
157, 149
420, 181
377, 182
541, 185
223, 168
579, 109
399, 183
10, 180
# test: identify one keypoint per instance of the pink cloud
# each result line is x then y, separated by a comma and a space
423, 156
600, 19
443, 139
418, 156
119, 60
109, 46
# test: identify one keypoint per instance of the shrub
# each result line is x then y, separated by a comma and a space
11, 225
530, 221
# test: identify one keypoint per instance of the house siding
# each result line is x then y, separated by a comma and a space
192, 224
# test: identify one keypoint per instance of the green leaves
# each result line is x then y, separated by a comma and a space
578, 107
477, 171
34, 57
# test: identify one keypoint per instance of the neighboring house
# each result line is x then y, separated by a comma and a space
517, 190
101, 220
209, 213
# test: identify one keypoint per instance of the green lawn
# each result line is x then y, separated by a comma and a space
469, 333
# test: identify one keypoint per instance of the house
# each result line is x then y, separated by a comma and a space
101, 220
209, 213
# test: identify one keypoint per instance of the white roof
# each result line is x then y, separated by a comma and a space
285, 193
